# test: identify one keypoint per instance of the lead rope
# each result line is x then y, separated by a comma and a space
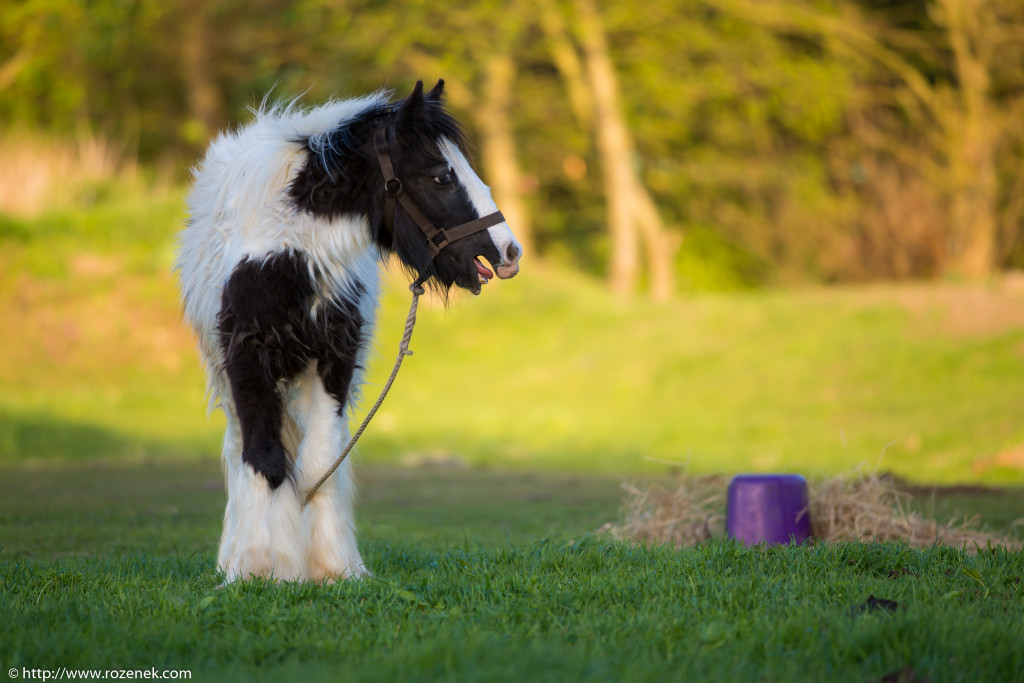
403, 350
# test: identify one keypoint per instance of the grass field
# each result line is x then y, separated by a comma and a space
478, 576
541, 611
532, 402
545, 371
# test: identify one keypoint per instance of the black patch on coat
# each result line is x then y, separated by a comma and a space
341, 176
268, 335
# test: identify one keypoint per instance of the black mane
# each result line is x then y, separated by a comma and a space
341, 166
338, 177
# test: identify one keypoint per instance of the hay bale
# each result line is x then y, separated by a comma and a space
843, 508
680, 516
871, 508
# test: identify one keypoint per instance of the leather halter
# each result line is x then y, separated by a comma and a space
437, 238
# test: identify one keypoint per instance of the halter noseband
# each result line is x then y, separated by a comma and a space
437, 238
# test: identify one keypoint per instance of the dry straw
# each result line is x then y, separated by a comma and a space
857, 508
871, 508
685, 515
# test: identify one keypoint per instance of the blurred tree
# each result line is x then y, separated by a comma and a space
731, 124
204, 94
162, 77
974, 119
938, 82
632, 213
788, 139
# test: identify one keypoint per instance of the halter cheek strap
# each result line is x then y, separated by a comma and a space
437, 238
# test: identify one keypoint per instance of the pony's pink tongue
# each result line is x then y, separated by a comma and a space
484, 273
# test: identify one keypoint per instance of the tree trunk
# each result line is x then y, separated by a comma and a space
498, 146
974, 201
567, 61
972, 144
615, 148
205, 100
661, 246
631, 211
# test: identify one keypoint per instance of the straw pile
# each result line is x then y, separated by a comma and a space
871, 508
683, 516
858, 508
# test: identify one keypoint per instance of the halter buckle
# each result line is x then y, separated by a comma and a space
393, 187
438, 246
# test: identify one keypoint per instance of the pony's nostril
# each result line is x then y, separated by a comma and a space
513, 253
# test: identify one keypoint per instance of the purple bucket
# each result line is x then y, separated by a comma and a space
768, 508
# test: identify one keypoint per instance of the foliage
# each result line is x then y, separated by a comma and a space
821, 140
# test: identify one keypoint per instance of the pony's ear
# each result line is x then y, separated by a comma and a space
410, 108
437, 93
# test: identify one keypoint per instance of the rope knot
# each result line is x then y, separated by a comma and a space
417, 289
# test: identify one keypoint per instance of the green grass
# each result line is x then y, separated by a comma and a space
545, 371
547, 610
547, 392
553, 373
478, 576
167, 508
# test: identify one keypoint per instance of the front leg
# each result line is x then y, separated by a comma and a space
258, 406
264, 537
262, 532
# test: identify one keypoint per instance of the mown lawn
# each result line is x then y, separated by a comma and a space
532, 402
479, 575
551, 609
172, 508
541, 611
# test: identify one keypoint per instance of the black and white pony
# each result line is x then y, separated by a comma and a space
279, 266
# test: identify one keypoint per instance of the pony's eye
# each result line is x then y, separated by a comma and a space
446, 178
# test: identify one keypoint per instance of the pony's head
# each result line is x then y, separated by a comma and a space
426, 149
403, 165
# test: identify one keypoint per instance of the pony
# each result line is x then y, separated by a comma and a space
290, 219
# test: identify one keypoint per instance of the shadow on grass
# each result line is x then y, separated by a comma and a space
38, 438
70, 489
108, 510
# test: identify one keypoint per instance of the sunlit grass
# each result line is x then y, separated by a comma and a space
542, 611
544, 371
555, 373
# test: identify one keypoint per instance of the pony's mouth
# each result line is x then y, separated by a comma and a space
504, 270
483, 273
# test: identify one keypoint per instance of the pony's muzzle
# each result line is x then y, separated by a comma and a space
509, 265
